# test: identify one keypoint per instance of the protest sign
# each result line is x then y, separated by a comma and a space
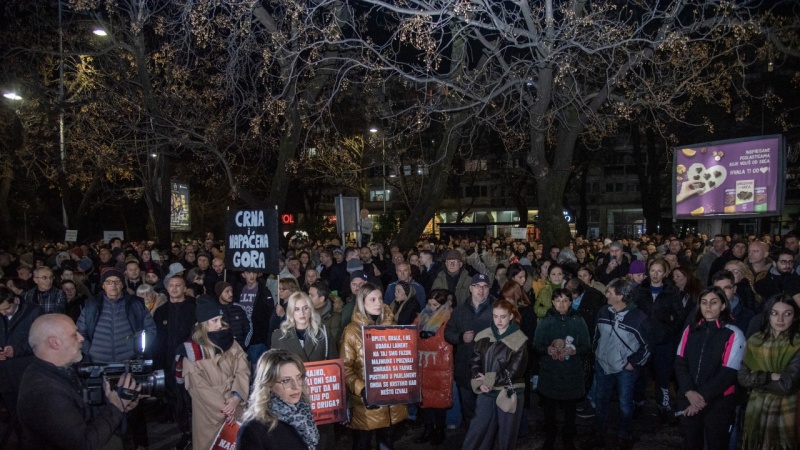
226, 437
391, 365
327, 391
252, 240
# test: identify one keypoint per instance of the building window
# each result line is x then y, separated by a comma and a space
475, 191
475, 165
380, 196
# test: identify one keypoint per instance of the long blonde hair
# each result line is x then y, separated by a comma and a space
267, 374
315, 325
200, 335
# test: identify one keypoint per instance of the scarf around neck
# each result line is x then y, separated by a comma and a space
512, 327
298, 417
222, 339
433, 320
770, 355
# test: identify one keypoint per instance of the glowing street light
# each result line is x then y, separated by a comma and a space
100, 32
11, 96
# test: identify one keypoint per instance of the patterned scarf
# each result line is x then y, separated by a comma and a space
770, 418
298, 417
432, 320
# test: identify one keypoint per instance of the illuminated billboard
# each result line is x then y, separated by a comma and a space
729, 179
180, 216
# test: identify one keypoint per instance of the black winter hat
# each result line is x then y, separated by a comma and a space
207, 308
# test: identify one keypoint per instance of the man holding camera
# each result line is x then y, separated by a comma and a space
51, 409
111, 323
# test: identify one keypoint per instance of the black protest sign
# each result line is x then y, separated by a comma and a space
252, 240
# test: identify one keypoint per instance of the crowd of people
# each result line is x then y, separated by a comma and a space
707, 326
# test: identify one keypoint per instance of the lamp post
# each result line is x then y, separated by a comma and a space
61, 140
374, 130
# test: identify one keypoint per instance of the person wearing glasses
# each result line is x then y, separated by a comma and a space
304, 335
45, 294
111, 323
466, 320
278, 415
215, 371
780, 279
454, 277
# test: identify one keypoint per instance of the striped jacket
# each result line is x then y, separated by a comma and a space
619, 338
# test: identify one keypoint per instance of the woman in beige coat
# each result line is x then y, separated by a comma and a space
216, 374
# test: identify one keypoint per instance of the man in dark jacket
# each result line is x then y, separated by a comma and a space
233, 314
615, 266
52, 412
175, 322
737, 251
111, 323
466, 320
50, 298
257, 302
15, 352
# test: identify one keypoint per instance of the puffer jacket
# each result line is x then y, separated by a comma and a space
436, 368
352, 352
562, 380
501, 361
665, 313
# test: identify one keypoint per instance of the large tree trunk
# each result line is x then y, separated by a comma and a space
423, 211
650, 183
157, 196
6, 176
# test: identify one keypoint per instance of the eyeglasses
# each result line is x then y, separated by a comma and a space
785, 261
112, 282
481, 286
288, 383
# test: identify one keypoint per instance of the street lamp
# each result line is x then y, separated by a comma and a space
374, 130
12, 96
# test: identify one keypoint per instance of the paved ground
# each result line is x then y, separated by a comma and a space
649, 432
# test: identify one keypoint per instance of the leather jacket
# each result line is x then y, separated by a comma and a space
501, 361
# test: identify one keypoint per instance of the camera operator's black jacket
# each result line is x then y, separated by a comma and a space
53, 414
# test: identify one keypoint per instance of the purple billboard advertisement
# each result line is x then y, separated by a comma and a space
740, 177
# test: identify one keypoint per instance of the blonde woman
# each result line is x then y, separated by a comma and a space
302, 333
286, 287
367, 420
216, 373
279, 414
745, 282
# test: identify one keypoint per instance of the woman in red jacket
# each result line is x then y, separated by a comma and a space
436, 366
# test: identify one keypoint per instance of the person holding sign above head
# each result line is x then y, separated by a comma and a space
436, 366
367, 419
215, 371
303, 334
498, 371
279, 414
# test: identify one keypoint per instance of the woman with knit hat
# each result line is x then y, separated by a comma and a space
215, 371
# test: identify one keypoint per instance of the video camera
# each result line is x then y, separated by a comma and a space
150, 380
